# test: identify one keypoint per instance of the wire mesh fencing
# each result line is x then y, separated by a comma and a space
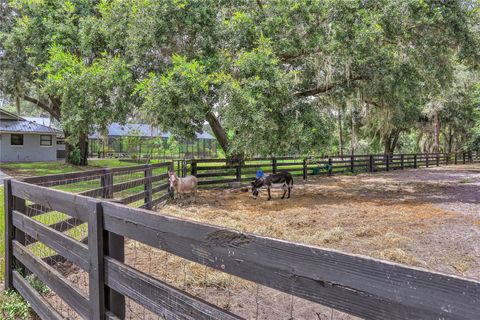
243, 298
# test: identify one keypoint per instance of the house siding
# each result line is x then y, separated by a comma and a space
29, 152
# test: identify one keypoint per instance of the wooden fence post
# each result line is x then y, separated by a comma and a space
106, 182
470, 157
352, 163
387, 162
370, 163
415, 161
274, 165
304, 169
330, 165
184, 168
402, 158
148, 187
114, 247
96, 274
456, 158
9, 234
438, 159
447, 158
426, 161
194, 168
238, 172
464, 157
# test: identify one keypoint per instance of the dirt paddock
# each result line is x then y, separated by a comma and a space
426, 217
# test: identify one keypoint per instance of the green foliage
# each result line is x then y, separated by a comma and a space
37, 284
75, 156
270, 77
13, 306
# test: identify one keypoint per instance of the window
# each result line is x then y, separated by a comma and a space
16, 139
60, 141
45, 140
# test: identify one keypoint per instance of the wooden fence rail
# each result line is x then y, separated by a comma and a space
355, 284
219, 171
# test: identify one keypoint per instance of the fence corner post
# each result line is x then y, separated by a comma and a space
96, 274
9, 235
148, 187
193, 168
238, 171
352, 163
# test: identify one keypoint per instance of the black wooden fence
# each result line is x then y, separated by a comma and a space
219, 171
358, 285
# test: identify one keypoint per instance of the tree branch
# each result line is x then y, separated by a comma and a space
42, 105
325, 88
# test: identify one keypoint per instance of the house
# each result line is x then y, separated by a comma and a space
113, 143
22, 140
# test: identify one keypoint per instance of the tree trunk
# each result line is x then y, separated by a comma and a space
82, 146
436, 130
218, 131
222, 138
340, 131
353, 143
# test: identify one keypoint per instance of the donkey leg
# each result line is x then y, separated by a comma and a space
284, 187
269, 195
289, 188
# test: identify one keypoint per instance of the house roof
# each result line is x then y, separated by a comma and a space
5, 115
25, 126
143, 130
10, 122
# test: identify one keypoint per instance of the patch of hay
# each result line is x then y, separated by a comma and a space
400, 256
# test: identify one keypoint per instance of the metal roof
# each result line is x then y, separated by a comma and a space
143, 130
25, 126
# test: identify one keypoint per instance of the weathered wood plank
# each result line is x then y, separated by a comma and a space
158, 296
74, 205
97, 192
41, 307
134, 197
129, 184
205, 182
9, 233
160, 187
358, 285
63, 244
53, 279
66, 225
96, 275
64, 178
215, 174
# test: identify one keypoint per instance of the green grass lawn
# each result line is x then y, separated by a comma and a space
46, 168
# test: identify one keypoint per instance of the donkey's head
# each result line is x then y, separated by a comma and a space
256, 185
172, 177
